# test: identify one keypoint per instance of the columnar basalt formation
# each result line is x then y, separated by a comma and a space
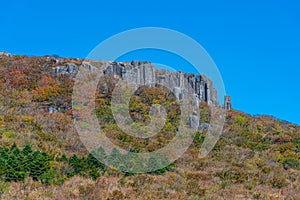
141, 73
144, 73
227, 103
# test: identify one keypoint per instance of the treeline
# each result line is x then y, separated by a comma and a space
17, 164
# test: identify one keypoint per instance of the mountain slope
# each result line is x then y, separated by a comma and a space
257, 157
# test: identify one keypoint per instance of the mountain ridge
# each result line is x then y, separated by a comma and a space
257, 157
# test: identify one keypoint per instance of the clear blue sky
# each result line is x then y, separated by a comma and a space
255, 44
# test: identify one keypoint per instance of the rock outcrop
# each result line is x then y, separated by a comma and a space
227, 103
6, 54
144, 73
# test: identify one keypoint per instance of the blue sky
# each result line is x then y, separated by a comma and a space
255, 44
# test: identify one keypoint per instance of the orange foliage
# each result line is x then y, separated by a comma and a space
45, 93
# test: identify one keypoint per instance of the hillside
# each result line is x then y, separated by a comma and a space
42, 157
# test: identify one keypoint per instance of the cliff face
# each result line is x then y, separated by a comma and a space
144, 73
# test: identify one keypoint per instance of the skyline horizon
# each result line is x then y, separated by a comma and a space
185, 72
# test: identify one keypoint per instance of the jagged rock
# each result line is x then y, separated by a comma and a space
144, 73
57, 70
194, 121
177, 93
227, 103
71, 68
140, 73
195, 100
5, 54
134, 63
57, 61
203, 126
88, 66
191, 80
214, 97
52, 110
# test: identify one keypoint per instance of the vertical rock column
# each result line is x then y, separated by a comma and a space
215, 97
227, 103
191, 80
209, 91
149, 74
203, 89
197, 86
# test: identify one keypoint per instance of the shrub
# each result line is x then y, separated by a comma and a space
240, 120
278, 181
291, 163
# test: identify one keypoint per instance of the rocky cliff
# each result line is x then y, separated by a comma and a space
144, 73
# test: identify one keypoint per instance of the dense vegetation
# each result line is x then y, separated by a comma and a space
16, 164
41, 156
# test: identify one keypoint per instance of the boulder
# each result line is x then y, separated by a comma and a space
194, 121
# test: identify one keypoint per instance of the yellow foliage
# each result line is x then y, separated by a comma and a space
7, 134
45, 93
2, 125
27, 119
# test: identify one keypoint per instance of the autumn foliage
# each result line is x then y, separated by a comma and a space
42, 156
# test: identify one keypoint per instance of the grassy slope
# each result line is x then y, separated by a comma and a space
256, 157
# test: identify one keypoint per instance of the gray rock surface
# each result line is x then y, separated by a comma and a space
194, 121
203, 126
71, 68
144, 73
52, 110
5, 54
227, 103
